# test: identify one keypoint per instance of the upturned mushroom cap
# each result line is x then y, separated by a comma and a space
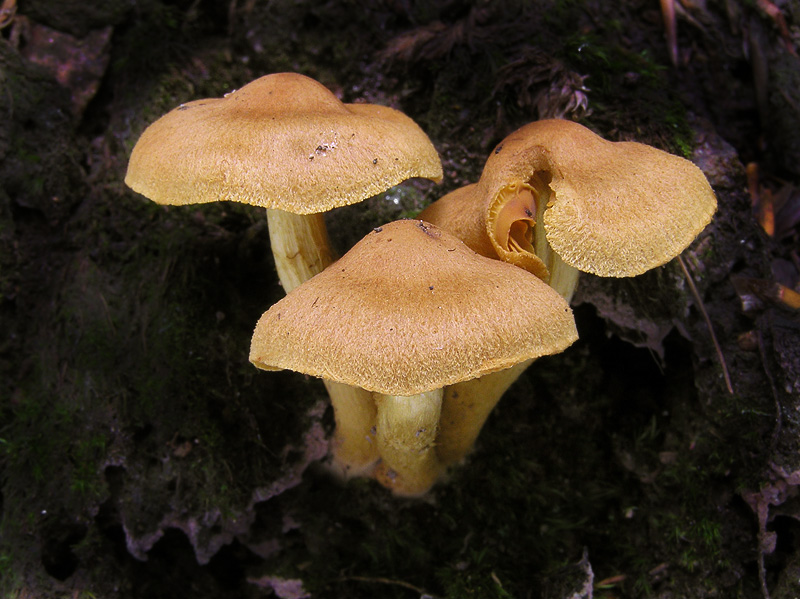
410, 309
615, 209
501, 228
282, 141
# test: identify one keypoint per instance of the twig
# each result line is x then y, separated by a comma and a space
8, 11
762, 574
778, 411
668, 13
701, 307
399, 583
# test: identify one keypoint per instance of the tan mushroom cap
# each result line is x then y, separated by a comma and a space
410, 309
283, 141
617, 209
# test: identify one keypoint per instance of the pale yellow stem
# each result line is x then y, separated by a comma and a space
300, 246
406, 436
465, 408
563, 277
355, 450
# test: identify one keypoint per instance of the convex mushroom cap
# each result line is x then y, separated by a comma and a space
411, 309
615, 209
283, 141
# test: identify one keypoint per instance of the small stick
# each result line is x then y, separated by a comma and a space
8, 11
399, 583
668, 13
778, 411
702, 308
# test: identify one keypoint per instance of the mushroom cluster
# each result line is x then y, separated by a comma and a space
409, 310
419, 329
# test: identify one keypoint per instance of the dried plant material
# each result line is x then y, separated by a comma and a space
284, 588
545, 85
700, 305
429, 42
776, 14
766, 214
8, 10
753, 293
786, 201
761, 199
389, 581
437, 40
671, 29
782, 486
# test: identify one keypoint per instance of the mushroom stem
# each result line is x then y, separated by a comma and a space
465, 408
300, 246
407, 427
563, 277
355, 450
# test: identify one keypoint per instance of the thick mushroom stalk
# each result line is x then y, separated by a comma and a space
354, 447
465, 408
556, 199
406, 312
301, 249
407, 428
300, 246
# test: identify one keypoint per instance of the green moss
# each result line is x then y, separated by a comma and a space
151, 41
135, 357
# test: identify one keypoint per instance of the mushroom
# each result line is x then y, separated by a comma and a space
407, 311
556, 199
286, 143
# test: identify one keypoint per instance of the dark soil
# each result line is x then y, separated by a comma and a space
142, 455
